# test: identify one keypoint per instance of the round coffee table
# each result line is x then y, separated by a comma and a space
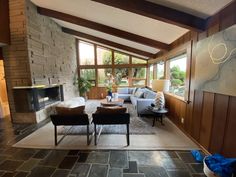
113, 102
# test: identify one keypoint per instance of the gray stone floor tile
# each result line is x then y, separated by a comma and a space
198, 175
173, 164
28, 165
153, 171
115, 172
186, 157
197, 168
98, 170
21, 174
40, 171
24, 154
145, 157
168, 154
10, 165
80, 170
41, 154
119, 159
133, 167
60, 173
133, 175
54, 158
178, 174
98, 157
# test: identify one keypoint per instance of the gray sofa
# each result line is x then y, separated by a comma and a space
141, 101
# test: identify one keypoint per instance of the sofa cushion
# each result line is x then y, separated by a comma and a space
139, 93
124, 90
70, 111
149, 94
131, 90
125, 97
133, 100
111, 110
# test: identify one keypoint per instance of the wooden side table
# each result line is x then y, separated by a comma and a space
158, 114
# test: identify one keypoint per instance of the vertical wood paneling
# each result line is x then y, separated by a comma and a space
197, 114
229, 146
4, 22
207, 117
219, 122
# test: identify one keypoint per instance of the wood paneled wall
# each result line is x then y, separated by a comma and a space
4, 22
209, 118
214, 120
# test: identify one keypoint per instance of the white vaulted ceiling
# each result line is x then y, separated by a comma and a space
127, 21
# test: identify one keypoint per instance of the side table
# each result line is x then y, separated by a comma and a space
158, 114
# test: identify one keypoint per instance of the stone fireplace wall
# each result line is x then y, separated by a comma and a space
39, 53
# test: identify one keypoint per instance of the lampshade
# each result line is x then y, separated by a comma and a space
160, 85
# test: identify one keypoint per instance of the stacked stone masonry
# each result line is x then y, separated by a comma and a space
39, 53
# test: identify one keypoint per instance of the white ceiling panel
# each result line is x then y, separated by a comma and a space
116, 18
107, 37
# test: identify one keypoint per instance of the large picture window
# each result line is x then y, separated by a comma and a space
178, 75
86, 53
121, 58
104, 56
102, 76
97, 62
122, 75
88, 74
139, 76
160, 70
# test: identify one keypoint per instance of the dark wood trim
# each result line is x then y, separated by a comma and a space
159, 12
107, 42
1, 54
4, 22
103, 28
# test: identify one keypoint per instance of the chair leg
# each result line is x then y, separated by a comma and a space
55, 135
87, 134
95, 134
127, 134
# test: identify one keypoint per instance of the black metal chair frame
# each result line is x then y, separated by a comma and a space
69, 120
110, 119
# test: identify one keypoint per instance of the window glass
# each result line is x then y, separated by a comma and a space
121, 58
86, 53
139, 73
122, 75
88, 74
104, 56
139, 82
178, 75
160, 70
151, 72
138, 61
102, 76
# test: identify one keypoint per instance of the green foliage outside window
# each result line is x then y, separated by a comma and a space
177, 79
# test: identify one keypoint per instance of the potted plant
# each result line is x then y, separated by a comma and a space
83, 86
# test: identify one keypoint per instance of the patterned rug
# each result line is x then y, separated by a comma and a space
138, 125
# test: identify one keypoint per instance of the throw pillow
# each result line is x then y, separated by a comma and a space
160, 100
139, 93
70, 111
111, 110
134, 90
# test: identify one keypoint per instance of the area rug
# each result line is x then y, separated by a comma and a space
138, 125
167, 137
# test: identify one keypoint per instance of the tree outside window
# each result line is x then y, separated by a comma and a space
121, 58
160, 70
122, 74
178, 75
104, 56
89, 74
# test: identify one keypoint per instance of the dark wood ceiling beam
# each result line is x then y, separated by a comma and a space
107, 42
159, 12
103, 28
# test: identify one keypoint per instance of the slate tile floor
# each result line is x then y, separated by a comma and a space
17, 162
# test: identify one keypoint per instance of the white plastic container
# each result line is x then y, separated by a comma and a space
207, 171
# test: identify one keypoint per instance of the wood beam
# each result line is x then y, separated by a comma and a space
107, 42
103, 28
159, 12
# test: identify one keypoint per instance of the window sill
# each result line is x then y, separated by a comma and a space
176, 96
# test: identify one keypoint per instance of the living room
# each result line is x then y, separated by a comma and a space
52, 45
